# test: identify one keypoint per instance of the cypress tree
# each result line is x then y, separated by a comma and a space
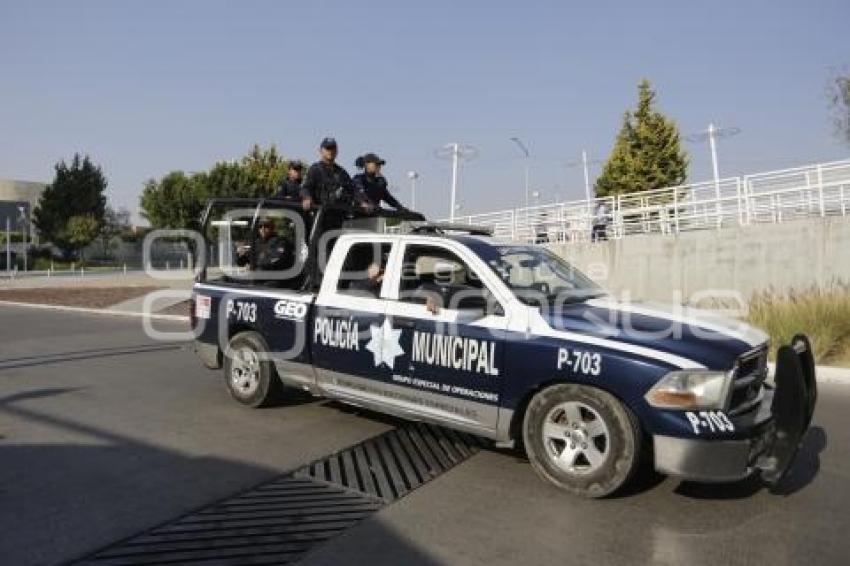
647, 152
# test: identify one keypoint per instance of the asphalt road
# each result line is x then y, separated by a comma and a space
105, 433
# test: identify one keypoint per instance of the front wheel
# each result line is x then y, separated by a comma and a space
250, 378
581, 439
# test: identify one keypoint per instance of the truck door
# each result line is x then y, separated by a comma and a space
452, 333
349, 309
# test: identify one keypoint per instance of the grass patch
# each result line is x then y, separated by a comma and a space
822, 314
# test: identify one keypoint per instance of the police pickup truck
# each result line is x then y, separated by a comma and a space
509, 342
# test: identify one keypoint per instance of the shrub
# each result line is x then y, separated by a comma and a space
822, 314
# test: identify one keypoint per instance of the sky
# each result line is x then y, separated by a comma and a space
148, 87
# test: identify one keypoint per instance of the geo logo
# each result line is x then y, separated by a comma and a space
291, 310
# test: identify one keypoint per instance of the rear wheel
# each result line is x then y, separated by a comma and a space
581, 439
251, 379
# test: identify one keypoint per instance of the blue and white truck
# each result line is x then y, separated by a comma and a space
441, 323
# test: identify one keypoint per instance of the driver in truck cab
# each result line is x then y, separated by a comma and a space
271, 250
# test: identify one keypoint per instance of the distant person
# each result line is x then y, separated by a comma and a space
327, 182
289, 187
372, 184
601, 220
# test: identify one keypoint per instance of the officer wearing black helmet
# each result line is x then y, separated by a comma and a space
290, 186
327, 182
372, 184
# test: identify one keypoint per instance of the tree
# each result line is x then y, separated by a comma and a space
264, 168
115, 223
647, 152
77, 190
177, 200
839, 100
80, 231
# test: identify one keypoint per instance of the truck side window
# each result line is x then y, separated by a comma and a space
363, 270
439, 274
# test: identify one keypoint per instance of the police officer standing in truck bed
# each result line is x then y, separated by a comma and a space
372, 184
290, 186
327, 182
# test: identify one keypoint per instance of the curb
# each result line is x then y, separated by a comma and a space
832, 374
825, 374
152, 316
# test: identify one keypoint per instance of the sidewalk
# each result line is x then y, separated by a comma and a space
181, 280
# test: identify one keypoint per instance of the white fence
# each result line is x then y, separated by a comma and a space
776, 196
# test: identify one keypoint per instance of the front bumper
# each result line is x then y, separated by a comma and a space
777, 430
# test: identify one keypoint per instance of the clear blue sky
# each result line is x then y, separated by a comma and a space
149, 87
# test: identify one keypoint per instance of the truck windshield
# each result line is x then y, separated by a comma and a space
539, 277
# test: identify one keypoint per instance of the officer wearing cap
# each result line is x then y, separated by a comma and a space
290, 186
372, 184
327, 182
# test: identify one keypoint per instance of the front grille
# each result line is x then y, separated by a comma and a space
748, 377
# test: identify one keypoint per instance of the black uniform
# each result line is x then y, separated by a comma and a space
288, 189
271, 254
327, 182
374, 188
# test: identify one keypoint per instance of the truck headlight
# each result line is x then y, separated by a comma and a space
690, 389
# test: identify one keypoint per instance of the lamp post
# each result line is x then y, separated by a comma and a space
455, 151
585, 165
711, 134
527, 155
23, 212
412, 175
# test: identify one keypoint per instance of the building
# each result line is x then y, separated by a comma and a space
15, 196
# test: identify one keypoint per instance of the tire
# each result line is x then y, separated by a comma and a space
581, 439
252, 381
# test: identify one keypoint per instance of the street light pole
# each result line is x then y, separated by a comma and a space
585, 164
455, 151
23, 211
8, 246
412, 175
455, 158
711, 134
586, 177
525, 152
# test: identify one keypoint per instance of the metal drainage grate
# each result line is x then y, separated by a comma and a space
391, 465
277, 522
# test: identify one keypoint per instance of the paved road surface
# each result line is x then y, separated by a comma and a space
105, 433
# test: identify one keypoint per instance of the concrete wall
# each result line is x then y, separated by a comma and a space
748, 259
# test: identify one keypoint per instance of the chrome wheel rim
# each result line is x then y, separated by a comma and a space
245, 372
576, 438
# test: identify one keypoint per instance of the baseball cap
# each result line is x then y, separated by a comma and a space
328, 143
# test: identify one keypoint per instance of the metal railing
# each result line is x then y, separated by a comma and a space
777, 196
